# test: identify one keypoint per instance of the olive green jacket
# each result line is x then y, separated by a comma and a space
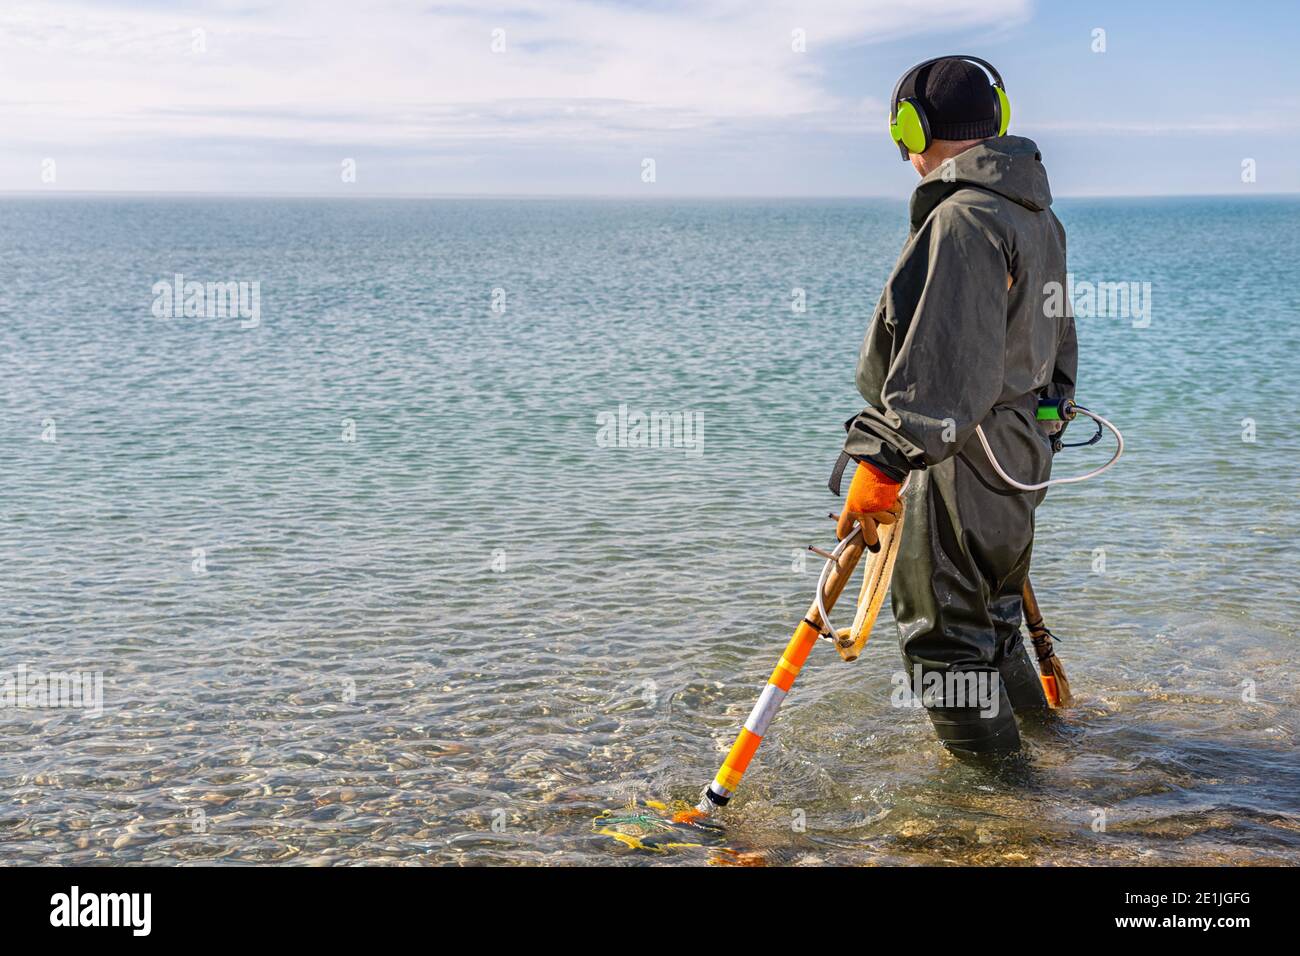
951, 341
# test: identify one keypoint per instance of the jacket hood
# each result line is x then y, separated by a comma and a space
1010, 166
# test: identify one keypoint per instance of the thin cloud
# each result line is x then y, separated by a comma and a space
1219, 127
399, 72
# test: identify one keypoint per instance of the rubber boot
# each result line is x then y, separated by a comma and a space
1022, 683
967, 733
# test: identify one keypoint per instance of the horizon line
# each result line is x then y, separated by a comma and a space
711, 197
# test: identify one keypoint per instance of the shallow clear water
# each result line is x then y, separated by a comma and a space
461, 636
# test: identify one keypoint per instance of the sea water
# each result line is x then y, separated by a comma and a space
400, 572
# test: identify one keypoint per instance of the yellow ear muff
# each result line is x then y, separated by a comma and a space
909, 128
1004, 110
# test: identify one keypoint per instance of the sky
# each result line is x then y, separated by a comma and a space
548, 97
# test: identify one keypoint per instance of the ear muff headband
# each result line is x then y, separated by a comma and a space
908, 125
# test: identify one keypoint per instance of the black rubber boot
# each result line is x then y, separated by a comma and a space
1022, 683
968, 733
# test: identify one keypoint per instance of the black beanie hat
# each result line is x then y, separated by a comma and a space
958, 99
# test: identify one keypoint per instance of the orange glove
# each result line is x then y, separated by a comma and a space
872, 500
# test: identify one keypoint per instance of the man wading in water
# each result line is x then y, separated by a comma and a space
960, 339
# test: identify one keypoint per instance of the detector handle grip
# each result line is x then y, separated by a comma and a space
1056, 410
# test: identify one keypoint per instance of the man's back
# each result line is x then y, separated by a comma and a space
951, 341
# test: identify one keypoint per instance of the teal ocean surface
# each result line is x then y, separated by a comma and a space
364, 580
